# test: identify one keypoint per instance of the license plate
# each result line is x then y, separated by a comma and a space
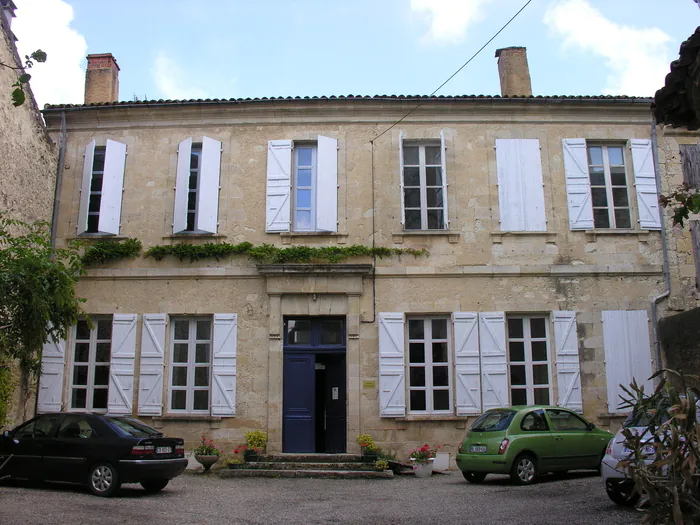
477, 448
647, 450
164, 450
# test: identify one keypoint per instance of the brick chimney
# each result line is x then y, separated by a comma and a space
101, 79
514, 72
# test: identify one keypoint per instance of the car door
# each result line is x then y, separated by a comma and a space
535, 430
27, 444
576, 446
67, 455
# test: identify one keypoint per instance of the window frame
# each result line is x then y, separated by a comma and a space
195, 149
313, 145
428, 364
423, 185
528, 361
191, 365
609, 187
91, 364
99, 151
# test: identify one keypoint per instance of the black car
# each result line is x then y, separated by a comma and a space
101, 451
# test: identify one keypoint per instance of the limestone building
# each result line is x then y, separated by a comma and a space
546, 260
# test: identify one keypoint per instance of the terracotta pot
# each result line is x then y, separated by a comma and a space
423, 470
206, 461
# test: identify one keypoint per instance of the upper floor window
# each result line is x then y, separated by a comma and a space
304, 185
195, 166
98, 166
606, 167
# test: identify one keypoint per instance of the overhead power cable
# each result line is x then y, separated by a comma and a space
460, 69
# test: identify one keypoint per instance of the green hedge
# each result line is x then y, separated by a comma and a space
110, 250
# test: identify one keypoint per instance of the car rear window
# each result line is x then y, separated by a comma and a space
642, 418
493, 421
132, 427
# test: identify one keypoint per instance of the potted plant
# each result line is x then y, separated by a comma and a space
381, 465
422, 459
256, 442
370, 451
235, 462
207, 453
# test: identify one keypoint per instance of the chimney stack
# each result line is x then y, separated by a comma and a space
514, 72
101, 79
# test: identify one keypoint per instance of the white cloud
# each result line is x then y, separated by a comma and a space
45, 24
637, 58
449, 19
172, 81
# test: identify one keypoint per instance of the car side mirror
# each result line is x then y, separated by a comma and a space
590, 426
6, 434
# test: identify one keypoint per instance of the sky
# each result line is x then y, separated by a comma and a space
179, 49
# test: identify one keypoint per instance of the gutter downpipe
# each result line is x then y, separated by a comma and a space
664, 244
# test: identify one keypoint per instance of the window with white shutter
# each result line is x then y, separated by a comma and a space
494, 361
90, 359
645, 184
50, 392
152, 363
567, 361
223, 393
121, 365
467, 366
392, 395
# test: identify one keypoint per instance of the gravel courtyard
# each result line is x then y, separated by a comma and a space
202, 500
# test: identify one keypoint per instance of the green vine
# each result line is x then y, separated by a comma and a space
269, 254
7, 386
110, 250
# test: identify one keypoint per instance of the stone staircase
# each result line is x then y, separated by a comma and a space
348, 466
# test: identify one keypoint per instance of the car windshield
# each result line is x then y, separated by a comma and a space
493, 421
132, 427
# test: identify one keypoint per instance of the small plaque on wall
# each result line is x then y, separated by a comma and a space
369, 385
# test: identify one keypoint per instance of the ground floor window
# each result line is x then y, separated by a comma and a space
190, 365
429, 383
91, 353
528, 360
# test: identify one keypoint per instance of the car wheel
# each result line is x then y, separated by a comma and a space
154, 485
103, 480
524, 470
473, 477
622, 493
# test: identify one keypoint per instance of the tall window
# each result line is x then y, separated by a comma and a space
423, 188
528, 355
195, 166
98, 166
429, 365
190, 365
606, 167
304, 190
92, 348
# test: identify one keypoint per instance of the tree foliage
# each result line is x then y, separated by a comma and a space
18, 95
37, 291
683, 201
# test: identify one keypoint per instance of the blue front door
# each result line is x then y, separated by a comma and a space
299, 406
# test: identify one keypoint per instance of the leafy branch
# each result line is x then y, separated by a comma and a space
18, 94
683, 201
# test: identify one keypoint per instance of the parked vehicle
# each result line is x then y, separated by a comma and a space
525, 441
101, 451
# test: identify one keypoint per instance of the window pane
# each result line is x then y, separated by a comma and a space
192, 185
515, 328
542, 396
600, 218
82, 330
518, 396
82, 352
440, 376
182, 330
620, 197
192, 200
410, 155
432, 155
203, 330
179, 400
595, 155
202, 353
597, 176
435, 220
78, 398
190, 222
104, 329
99, 399
599, 196
195, 152
179, 376
439, 352
415, 329
622, 218
303, 199
80, 375
413, 220
94, 205
98, 161
96, 182
303, 220
439, 328
517, 374
540, 375
434, 197
411, 197
331, 332
416, 353
516, 351
617, 176
417, 400
103, 352
433, 176
201, 376
102, 375
416, 376
441, 400
304, 177
538, 327
93, 223
411, 176
615, 156
539, 350
180, 353
304, 156
298, 332
201, 400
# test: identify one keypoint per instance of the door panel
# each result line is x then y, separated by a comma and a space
335, 405
298, 403
576, 446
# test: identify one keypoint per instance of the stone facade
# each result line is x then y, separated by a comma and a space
472, 266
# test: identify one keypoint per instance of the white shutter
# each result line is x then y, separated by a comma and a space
208, 189
567, 361
392, 395
182, 185
467, 369
85, 187
403, 204
152, 360
443, 159
494, 365
50, 393
223, 394
327, 185
645, 184
279, 186
112, 188
121, 365
627, 352
520, 190
578, 184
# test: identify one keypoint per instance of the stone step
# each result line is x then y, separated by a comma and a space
307, 465
329, 474
312, 458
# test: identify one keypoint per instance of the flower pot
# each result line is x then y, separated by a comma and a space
423, 470
249, 455
206, 461
369, 455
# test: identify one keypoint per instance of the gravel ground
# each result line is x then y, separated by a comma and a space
198, 499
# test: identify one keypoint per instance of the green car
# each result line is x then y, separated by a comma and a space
525, 441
